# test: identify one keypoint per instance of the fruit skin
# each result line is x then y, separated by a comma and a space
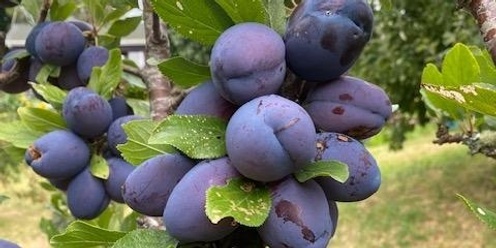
206, 100
59, 43
349, 106
184, 215
59, 154
68, 78
89, 58
116, 134
119, 171
324, 38
86, 196
247, 61
299, 216
119, 107
269, 138
365, 177
86, 113
148, 187
8, 244
20, 84
30, 43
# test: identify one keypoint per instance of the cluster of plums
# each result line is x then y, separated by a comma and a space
270, 137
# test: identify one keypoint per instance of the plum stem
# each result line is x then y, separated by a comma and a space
44, 11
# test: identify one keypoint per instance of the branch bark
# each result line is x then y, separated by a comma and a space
162, 93
484, 12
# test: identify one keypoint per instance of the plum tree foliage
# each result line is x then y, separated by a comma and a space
257, 134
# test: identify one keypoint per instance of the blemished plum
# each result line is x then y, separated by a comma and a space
184, 215
86, 196
148, 187
247, 61
30, 43
91, 57
365, 176
299, 216
120, 107
349, 106
86, 113
324, 38
9, 61
59, 154
116, 134
206, 100
8, 244
269, 138
59, 43
119, 171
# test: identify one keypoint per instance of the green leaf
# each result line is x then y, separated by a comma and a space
31, 10
51, 93
246, 201
245, 11
485, 215
81, 235
477, 97
115, 14
96, 9
139, 106
199, 137
277, 15
108, 41
105, 81
486, 65
42, 120
46, 71
3, 198
460, 67
124, 27
431, 75
386, 4
99, 167
199, 20
329, 168
137, 149
147, 238
184, 72
61, 10
17, 134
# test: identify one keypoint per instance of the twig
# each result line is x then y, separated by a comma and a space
44, 11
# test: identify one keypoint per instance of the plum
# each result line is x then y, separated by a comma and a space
59, 43
299, 216
119, 171
91, 57
184, 215
68, 78
324, 38
148, 187
365, 177
8, 244
116, 134
86, 113
206, 100
349, 106
30, 43
119, 107
20, 83
269, 138
86, 196
58, 154
247, 61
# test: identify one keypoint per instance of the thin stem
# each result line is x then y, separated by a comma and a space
44, 10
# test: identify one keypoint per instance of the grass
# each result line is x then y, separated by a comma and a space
416, 205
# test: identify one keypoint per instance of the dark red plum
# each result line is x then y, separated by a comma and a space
30, 43
324, 38
120, 107
91, 57
58, 154
9, 61
269, 138
299, 216
247, 61
6, 243
119, 171
86, 196
86, 113
206, 100
365, 177
350, 106
59, 43
116, 134
184, 215
148, 187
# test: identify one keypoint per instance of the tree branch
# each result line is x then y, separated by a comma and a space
162, 93
484, 12
44, 10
